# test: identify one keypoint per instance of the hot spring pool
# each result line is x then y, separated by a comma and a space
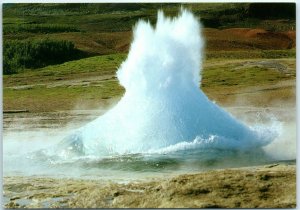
39, 132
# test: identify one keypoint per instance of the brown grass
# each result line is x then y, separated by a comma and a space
246, 38
272, 186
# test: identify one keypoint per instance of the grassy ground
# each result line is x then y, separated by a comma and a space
272, 186
106, 28
245, 58
61, 87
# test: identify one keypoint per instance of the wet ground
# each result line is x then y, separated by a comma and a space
270, 186
262, 186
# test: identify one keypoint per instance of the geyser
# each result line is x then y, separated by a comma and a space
163, 108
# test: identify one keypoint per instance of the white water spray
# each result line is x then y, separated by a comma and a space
163, 108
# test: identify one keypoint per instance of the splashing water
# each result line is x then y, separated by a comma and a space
163, 120
163, 108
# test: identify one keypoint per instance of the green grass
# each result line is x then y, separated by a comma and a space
108, 64
246, 82
51, 88
41, 98
108, 89
253, 54
235, 74
104, 32
15, 20
120, 17
38, 28
105, 65
92, 66
85, 24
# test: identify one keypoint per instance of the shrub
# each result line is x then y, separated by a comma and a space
272, 10
18, 55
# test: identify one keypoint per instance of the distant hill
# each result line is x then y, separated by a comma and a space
213, 14
106, 28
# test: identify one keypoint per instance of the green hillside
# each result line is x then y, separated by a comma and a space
56, 55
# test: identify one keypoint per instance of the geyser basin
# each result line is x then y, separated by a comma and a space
163, 110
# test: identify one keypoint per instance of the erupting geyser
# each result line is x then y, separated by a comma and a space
163, 108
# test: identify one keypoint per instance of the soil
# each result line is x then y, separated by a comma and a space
248, 38
270, 186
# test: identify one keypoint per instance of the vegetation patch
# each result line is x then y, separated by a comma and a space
18, 55
38, 28
59, 53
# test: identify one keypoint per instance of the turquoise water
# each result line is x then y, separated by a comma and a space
26, 146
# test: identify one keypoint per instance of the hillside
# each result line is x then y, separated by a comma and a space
106, 28
88, 42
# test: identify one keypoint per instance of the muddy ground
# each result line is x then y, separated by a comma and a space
270, 186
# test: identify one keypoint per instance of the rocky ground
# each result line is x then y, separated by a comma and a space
270, 186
